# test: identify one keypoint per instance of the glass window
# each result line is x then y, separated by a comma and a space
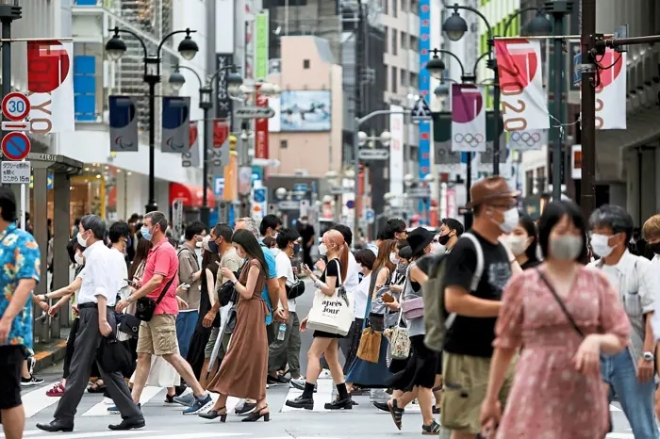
386, 6
386, 32
394, 80
394, 48
404, 78
404, 40
395, 8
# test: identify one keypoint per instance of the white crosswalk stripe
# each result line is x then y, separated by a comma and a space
133, 434
35, 401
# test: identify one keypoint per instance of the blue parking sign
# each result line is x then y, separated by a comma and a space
219, 186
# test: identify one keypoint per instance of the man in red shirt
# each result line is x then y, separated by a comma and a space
158, 336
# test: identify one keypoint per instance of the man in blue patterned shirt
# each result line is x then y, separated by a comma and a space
19, 274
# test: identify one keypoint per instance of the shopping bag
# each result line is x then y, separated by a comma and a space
332, 314
369, 348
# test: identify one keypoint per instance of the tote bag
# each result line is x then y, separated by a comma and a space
332, 314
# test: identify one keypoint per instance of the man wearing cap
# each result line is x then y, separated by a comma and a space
476, 301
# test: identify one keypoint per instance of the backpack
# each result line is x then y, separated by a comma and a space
437, 320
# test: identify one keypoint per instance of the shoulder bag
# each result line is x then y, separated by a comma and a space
332, 314
399, 341
413, 307
369, 346
569, 317
145, 306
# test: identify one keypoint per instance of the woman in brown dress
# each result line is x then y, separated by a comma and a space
243, 372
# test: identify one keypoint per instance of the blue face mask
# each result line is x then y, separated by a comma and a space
213, 247
129, 242
146, 234
296, 249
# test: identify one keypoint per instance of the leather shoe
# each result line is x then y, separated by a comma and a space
54, 426
128, 424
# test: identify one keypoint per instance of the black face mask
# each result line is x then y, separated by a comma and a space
655, 248
443, 239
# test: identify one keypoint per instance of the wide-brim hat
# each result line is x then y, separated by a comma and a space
419, 239
490, 189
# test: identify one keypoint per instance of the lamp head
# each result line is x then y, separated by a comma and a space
455, 26
234, 82
362, 138
115, 47
385, 138
436, 67
442, 90
540, 25
177, 80
188, 47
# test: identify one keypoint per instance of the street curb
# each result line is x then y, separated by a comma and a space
54, 354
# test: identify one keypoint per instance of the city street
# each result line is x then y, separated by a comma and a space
164, 421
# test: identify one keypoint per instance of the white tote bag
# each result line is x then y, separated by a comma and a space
332, 314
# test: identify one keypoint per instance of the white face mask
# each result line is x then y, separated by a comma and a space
323, 249
79, 259
517, 244
81, 240
393, 258
437, 248
511, 218
600, 246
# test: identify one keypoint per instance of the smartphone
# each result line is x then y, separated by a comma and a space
387, 298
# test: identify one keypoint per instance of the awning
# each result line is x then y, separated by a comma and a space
643, 128
191, 195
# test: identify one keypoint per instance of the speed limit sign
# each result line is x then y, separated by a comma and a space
16, 106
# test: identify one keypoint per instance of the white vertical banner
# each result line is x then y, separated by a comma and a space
524, 102
50, 86
224, 26
611, 92
397, 130
468, 118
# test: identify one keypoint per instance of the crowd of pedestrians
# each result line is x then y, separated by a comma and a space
513, 329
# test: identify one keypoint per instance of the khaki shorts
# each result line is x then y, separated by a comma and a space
158, 336
465, 381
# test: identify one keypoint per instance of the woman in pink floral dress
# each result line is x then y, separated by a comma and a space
557, 392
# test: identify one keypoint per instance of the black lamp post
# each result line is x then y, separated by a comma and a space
115, 48
455, 27
233, 80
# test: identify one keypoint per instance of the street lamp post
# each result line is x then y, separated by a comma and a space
456, 26
357, 139
233, 80
116, 48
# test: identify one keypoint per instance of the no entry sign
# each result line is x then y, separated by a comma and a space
15, 146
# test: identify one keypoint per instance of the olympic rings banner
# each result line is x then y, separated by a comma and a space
527, 140
524, 102
468, 118
611, 92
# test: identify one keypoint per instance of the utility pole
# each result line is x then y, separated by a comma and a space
588, 43
9, 11
359, 67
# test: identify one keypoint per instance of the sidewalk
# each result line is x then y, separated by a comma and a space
47, 354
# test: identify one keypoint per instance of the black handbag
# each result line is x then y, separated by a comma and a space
129, 325
296, 290
145, 306
113, 356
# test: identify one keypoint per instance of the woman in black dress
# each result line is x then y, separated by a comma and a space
326, 344
523, 242
208, 297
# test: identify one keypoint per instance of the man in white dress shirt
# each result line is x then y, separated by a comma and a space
96, 300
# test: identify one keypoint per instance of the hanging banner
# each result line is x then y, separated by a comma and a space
524, 102
396, 154
123, 123
219, 155
175, 135
261, 131
190, 158
529, 140
611, 92
50, 86
223, 103
576, 162
468, 118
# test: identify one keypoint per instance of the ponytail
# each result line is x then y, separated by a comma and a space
343, 260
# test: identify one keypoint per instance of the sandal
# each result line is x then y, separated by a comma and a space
432, 428
217, 413
396, 412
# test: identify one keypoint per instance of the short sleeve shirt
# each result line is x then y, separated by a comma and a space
272, 272
20, 259
162, 260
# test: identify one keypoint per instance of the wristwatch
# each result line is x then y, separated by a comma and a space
648, 356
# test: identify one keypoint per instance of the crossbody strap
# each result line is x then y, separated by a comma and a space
167, 287
560, 303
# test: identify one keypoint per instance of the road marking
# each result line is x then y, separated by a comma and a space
85, 435
620, 436
101, 409
37, 400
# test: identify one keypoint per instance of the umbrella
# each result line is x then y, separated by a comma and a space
224, 316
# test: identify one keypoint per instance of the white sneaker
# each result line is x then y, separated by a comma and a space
325, 373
